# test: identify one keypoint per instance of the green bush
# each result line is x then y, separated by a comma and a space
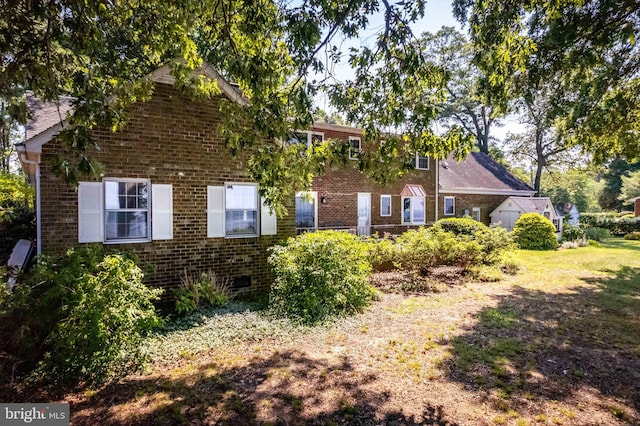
80, 317
424, 248
461, 225
17, 218
572, 233
495, 242
381, 252
615, 224
533, 231
204, 290
595, 233
632, 236
319, 275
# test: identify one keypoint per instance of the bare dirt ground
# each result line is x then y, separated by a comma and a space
555, 344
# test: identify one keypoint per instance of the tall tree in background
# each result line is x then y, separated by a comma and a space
540, 143
11, 113
464, 105
630, 188
576, 186
610, 197
101, 54
590, 44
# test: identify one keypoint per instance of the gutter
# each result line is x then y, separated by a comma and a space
23, 158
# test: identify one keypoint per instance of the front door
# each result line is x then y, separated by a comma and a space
364, 213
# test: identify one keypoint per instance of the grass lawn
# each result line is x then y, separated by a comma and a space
558, 343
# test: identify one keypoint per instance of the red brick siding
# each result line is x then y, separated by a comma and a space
636, 207
487, 204
341, 186
169, 140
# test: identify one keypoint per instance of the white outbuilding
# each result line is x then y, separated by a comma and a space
512, 208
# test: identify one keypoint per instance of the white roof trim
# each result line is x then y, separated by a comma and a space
336, 127
161, 75
484, 191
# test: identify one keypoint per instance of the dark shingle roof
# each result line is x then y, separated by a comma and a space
45, 115
478, 172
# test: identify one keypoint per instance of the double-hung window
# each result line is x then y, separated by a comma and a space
385, 205
124, 210
422, 162
241, 210
475, 213
354, 147
235, 210
305, 138
127, 209
449, 206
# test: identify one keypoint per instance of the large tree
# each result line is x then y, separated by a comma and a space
616, 169
591, 44
541, 142
577, 186
101, 52
630, 188
463, 105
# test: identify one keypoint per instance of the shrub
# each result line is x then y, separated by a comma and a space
416, 249
381, 252
319, 275
572, 233
461, 225
80, 317
533, 231
425, 248
17, 218
611, 221
595, 233
495, 241
205, 290
632, 236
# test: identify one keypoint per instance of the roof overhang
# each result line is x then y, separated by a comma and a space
485, 191
336, 127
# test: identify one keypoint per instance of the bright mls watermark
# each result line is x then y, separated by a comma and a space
37, 414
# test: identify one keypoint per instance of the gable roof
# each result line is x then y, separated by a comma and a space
531, 204
45, 115
478, 173
48, 118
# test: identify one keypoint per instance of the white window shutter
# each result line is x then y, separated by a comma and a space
161, 212
90, 213
215, 211
268, 220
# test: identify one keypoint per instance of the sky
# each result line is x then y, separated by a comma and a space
438, 13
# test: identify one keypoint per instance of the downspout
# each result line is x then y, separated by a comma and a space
437, 186
23, 158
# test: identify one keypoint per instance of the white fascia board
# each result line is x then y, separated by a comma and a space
482, 191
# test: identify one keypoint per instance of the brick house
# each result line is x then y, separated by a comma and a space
344, 198
170, 191
476, 186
